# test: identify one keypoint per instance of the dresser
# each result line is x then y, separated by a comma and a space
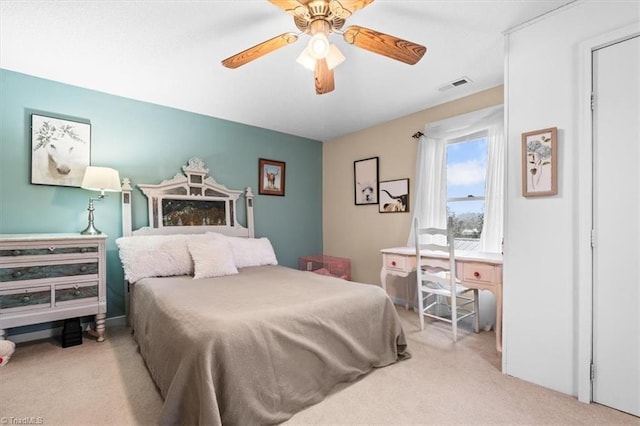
475, 269
49, 277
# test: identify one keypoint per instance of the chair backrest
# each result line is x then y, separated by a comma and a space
440, 271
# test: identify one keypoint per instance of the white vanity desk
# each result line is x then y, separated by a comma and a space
475, 269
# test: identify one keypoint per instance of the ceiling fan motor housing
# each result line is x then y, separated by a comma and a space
318, 8
320, 11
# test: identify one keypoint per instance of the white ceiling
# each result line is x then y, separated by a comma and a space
169, 53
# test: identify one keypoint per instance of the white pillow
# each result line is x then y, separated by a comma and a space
155, 256
212, 257
252, 251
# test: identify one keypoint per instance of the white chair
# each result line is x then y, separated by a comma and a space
437, 282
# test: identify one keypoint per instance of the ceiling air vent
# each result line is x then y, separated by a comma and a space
455, 83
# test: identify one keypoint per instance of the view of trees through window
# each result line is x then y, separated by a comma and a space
466, 175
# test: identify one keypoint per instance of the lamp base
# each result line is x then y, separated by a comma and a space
91, 230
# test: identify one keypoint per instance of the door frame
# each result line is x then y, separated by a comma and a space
585, 203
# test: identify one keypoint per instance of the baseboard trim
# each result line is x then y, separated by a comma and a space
57, 331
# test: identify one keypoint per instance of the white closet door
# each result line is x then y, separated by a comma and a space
616, 216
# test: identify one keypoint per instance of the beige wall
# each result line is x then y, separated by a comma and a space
359, 232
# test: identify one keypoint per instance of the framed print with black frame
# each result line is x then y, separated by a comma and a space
365, 178
394, 196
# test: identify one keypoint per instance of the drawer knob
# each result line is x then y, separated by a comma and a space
393, 263
76, 293
52, 249
83, 269
26, 299
16, 252
17, 274
83, 250
476, 274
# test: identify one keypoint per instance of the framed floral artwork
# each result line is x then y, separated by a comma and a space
271, 177
60, 150
540, 162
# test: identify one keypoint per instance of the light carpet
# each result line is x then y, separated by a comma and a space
443, 383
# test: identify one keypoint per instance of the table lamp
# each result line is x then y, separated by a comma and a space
98, 179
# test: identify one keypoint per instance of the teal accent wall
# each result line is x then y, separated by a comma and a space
149, 143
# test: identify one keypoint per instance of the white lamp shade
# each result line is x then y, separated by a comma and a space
334, 57
101, 179
306, 60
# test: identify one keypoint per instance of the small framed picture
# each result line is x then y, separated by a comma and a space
540, 162
365, 176
272, 177
394, 196
60, 150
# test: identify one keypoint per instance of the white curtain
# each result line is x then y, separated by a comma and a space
431, 185
491, 237
431, 172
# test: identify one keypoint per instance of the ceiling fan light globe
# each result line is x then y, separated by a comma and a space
306, 60
334, 57
319, 46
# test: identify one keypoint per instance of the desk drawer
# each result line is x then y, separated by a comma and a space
480, 273
396, 262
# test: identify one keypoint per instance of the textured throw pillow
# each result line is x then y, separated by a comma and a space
252, 251
155, 256
212, 257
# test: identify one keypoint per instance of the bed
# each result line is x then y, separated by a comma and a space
228, 335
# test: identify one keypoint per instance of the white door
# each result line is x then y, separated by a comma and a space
616, 221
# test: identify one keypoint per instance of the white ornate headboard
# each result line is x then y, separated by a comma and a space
192, 202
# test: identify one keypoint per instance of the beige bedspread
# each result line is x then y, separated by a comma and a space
256, 347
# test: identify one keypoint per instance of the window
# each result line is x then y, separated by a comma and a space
460, 173
466, 175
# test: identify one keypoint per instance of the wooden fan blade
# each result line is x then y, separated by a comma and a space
259, 50
345, 8
323, 77
292, 7
384, 44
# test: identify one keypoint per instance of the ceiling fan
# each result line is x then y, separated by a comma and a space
318, 19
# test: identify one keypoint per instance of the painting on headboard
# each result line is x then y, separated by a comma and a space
190, 202
176, 212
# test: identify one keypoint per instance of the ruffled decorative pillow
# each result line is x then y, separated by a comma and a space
155, 256
212, 257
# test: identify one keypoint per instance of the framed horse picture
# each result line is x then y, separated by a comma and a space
60, 150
